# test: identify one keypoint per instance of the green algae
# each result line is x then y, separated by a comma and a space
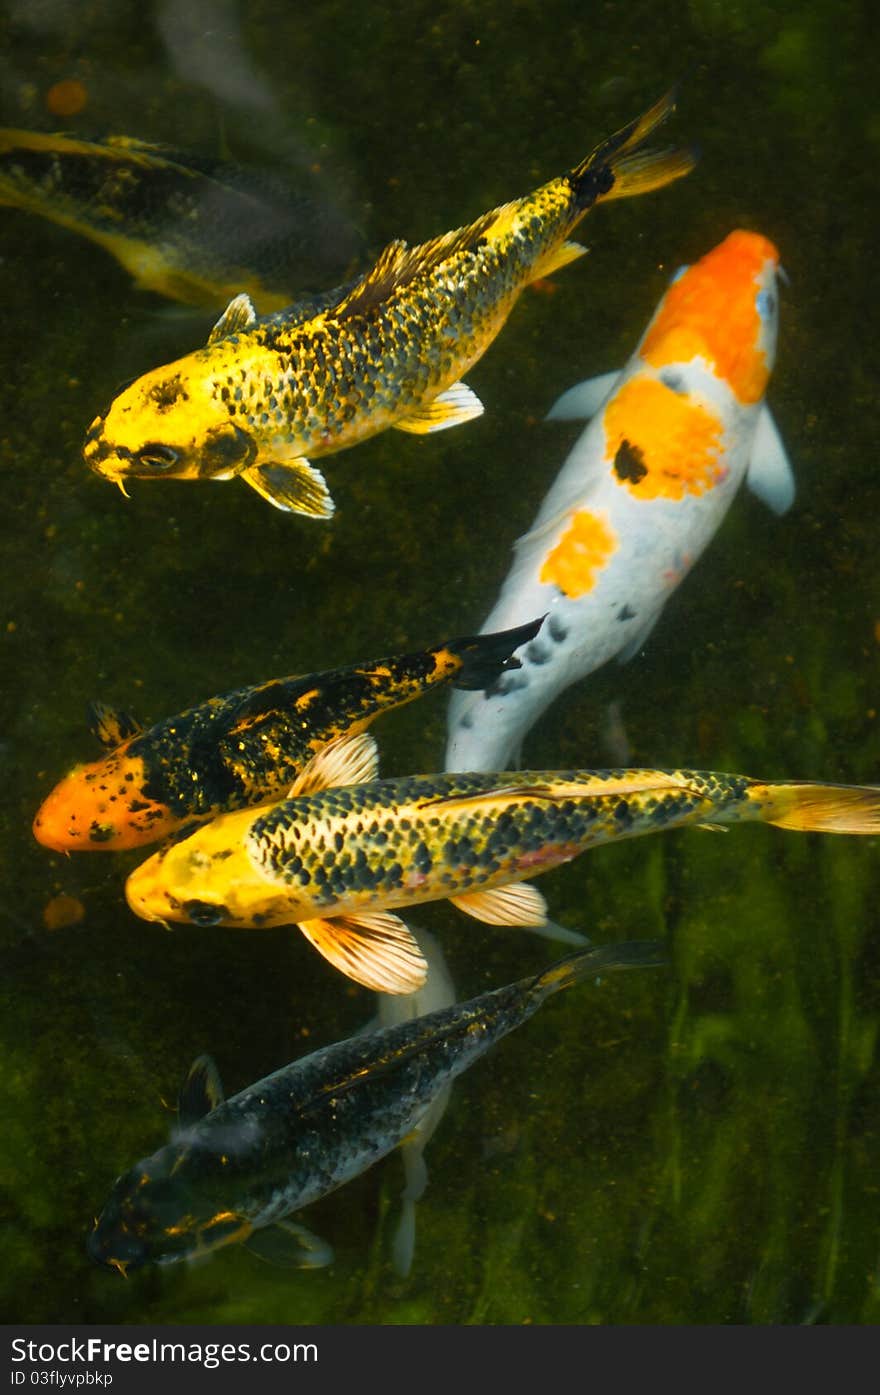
691, 1145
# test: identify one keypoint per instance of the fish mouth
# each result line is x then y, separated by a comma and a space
107, 461
98, 454
142, 900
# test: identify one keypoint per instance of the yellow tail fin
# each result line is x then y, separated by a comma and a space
820, 808
620, 167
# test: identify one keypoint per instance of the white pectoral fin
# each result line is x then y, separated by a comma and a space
584, 399
517, 903
450, 408
346, 760
374, 948
769, 475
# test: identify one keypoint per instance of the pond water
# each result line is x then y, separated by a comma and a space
696, 1144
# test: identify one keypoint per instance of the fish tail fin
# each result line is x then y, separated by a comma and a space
598, 959
484, 657
818, 808
620, 168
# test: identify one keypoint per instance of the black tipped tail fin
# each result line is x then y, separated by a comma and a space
597, 960
620, 168
484, 657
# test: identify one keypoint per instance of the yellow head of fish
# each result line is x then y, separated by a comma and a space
207, 878
173, 423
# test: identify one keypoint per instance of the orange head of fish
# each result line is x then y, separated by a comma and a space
175, 422
724, 311
102, 806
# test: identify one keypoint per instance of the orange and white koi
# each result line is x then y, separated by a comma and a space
642, 493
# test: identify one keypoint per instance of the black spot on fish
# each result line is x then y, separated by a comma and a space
507, 683
674, 381
537, 653
203, 912
100, 832
625, 613
629, 463
167, 394
556, 630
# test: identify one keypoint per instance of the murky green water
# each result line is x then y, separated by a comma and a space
697, 1145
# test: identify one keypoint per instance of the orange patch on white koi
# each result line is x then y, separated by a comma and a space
663, 445
711, 311
580, 554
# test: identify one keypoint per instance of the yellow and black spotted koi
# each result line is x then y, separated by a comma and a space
237, 1168
183, 225
266, 394
347, 849
244, 747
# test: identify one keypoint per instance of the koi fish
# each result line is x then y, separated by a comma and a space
347, 849
236, 1168
642, 493
267, 393
185, 226
244, 747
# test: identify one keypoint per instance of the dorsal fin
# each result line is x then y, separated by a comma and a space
200, 1092
347, 760
109, 725
239, 314
587, 786
399, 264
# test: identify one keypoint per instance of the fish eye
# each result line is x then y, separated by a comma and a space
765, 304
157, 457
203, 912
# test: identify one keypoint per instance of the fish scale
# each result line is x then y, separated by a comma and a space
390, 828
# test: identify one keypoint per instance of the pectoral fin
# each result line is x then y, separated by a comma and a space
346, 760
583, 400
769, 475
558, 258
110, 726
375, 949
518, 903
290, 1246
293, 486
450, 408
200, 1092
